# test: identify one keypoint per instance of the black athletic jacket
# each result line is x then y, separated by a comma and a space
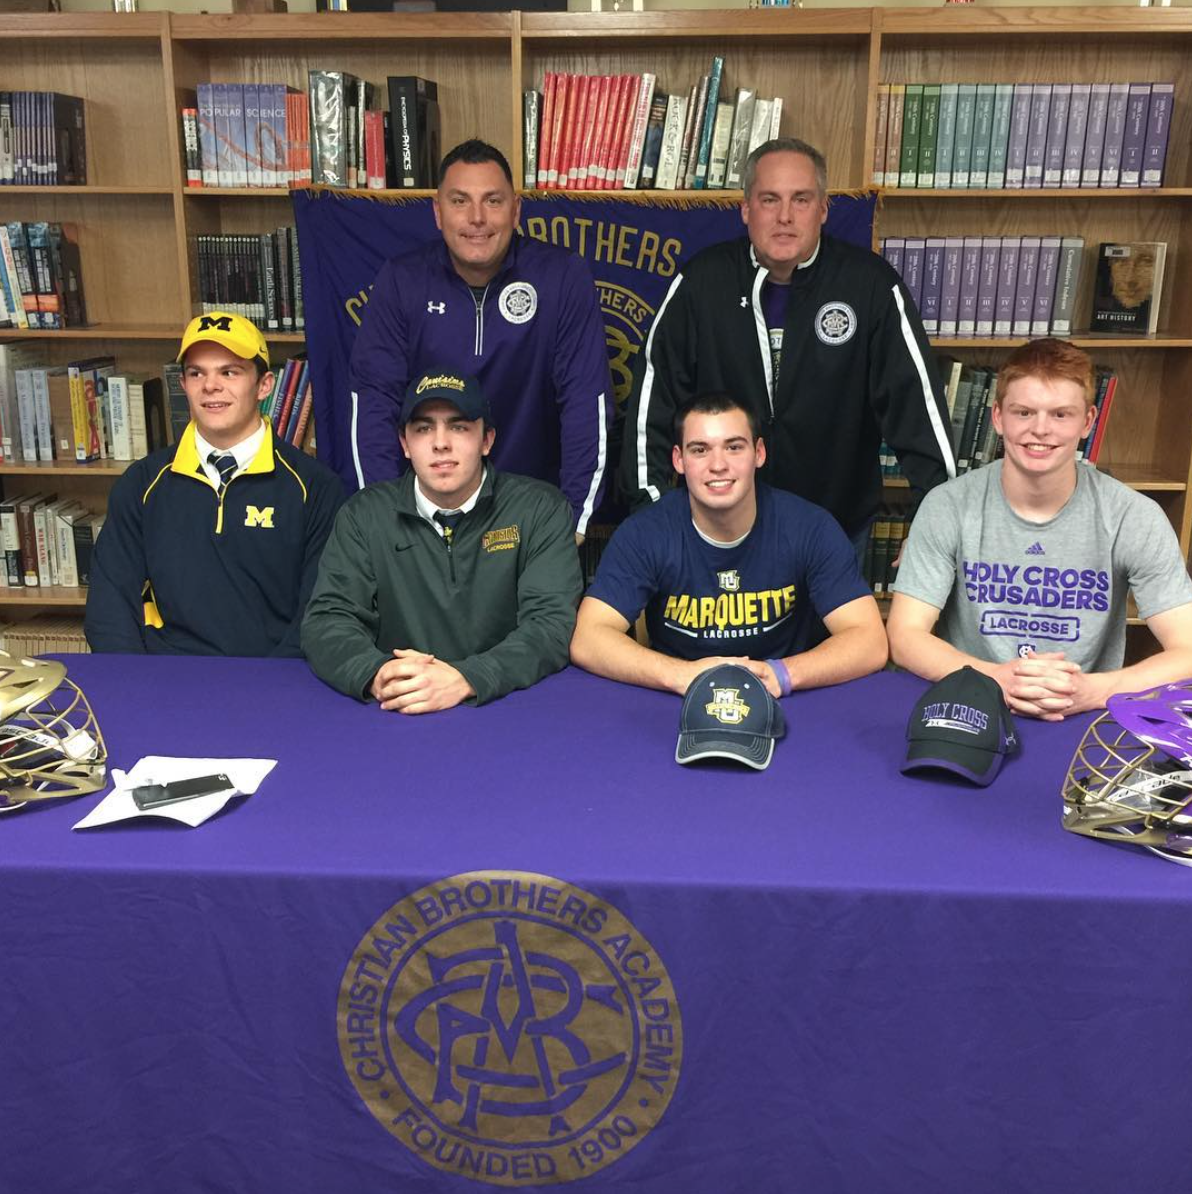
855, 368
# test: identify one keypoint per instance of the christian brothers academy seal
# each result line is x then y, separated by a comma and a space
511, 1028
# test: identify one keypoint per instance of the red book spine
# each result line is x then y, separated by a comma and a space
1102, 420
563, 89
576, 169
283, 415
303, 416
624, 131
604, 87
546, 127
374, 149
608, 139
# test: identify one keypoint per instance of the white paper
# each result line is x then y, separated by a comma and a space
118, 805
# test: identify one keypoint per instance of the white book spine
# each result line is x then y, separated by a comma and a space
637, 143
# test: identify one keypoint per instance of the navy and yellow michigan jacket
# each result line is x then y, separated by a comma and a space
179, 570
498, 605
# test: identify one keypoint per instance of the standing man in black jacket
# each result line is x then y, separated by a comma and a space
819, 336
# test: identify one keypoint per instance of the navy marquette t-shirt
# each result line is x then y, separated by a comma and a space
762, 599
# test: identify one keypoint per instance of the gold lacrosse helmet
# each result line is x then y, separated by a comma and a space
1131, 777
50, 744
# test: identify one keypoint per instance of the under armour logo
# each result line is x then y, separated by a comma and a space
436, 308
744, 301
222, 322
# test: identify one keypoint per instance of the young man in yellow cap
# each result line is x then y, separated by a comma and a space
211, 545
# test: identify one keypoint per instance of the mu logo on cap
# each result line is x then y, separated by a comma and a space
727, 707
222, 323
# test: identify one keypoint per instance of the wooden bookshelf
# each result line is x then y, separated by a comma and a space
138, 220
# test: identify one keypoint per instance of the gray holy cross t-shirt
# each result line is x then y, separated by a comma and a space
1007, 586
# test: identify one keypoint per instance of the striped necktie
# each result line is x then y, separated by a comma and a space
225, 464
448, 522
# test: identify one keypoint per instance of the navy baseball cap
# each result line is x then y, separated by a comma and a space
728, 714
961, 724
447, 385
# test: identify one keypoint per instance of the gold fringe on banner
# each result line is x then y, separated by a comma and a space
645, 198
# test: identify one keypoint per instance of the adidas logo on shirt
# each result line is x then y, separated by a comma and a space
1036, 549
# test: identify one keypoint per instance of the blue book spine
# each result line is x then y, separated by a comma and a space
1036, 141
1134, 141
1007, 283
991, 250
999, 141
1020, 127
1057, 134
970, 276
950, 294
933, 284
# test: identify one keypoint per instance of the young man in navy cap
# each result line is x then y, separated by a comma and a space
210, 546
455, 583
728, 570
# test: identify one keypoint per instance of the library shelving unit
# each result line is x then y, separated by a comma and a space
138, 220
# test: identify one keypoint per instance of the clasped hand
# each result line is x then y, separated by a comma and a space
1047, 686
414, 682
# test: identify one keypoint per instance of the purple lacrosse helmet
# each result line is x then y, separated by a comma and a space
1160, 716
1131, 777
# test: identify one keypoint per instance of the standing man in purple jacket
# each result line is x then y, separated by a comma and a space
521, 316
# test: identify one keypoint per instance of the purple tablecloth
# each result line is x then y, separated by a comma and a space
885, 984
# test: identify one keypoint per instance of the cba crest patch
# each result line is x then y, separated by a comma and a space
511, 1028
835, 323
518, 302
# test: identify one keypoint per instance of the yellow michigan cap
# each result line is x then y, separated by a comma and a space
233, 332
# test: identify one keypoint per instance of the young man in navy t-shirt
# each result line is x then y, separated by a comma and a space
728, 571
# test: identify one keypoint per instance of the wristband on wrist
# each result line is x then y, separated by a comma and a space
784, 677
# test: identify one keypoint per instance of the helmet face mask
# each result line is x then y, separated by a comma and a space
50, 743
1131, 777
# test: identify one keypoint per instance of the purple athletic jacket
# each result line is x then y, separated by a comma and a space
535, 342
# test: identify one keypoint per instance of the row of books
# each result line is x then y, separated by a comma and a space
257, 276
89, 410
1022, 135
990, 285
44, 634
41, 276
970, 391
354, 144
47, 540
272, 135
247, 135
81, 411
619, 132
288, 406
42, 139
886, 534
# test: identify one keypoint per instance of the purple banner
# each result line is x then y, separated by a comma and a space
634, 249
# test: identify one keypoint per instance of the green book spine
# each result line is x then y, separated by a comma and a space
982, 132
912, 112
704, 152
946, 139
966, 104
1003, 102
929, 134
